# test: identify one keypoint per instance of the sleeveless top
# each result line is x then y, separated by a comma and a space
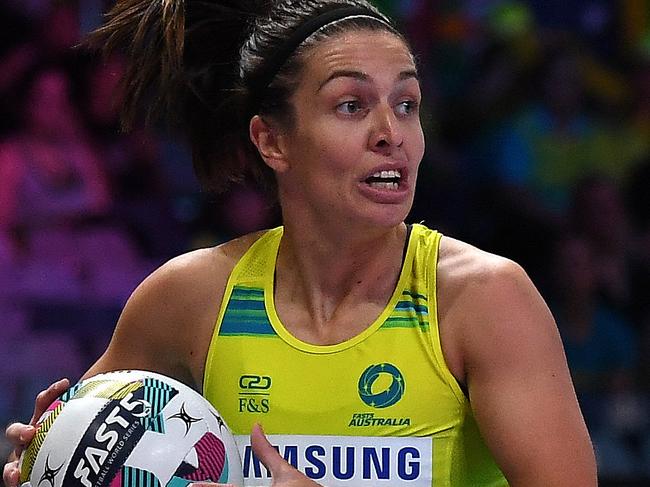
381, 408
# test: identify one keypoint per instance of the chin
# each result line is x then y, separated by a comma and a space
384, 217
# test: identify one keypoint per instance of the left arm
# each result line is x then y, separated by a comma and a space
519, 383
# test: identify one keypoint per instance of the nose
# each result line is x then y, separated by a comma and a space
386, 134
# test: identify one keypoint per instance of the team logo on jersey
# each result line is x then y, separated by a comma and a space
254, 394
369, 419
385, 397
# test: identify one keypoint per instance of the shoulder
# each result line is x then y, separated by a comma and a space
506, 349
207, 266
193, 274
167, 323
487, 306
191, 284
465, 270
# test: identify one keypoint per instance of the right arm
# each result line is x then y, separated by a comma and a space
165, 327
167, 323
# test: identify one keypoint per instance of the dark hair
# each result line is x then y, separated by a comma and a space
193, 62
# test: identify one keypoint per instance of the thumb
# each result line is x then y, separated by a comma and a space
266, 453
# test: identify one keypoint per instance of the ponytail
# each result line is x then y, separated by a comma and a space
152, 35
183, 67
197, 65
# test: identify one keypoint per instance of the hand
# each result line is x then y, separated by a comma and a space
283, 474
20, 435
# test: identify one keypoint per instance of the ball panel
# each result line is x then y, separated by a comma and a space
211, 460
135, 477
178, 482
62, 439
107, 442
43, 427
107, 389
117, 480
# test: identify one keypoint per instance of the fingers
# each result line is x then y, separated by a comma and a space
263, 450
11, 474
20, 434
46, 397
282, 472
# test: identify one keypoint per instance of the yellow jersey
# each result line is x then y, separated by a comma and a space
381, 408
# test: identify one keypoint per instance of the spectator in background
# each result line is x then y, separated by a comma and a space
599, 342
547, 147
51, 180
601, 349
132, 162
638, 204
640, 117
244, 208
565, 135
51, 176
598, 215
61, 261
60, 30
55, 201
620, 269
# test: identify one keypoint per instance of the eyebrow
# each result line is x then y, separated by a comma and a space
358, 75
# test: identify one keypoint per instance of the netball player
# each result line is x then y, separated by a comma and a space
369, 349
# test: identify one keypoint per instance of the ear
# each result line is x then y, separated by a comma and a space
269, 142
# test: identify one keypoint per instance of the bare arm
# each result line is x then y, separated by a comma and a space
167, 324
500, 339
166, 327
519, 384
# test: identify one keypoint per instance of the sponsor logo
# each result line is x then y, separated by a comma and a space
255, 382
369, 419
385, 397
108, 445
347, 460
254, 394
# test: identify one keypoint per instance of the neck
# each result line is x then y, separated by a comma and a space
325, 268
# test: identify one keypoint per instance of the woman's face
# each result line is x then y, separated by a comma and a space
356, 144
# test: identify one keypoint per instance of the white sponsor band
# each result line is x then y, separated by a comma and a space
346, 460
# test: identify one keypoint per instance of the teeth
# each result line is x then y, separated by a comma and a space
387, 174
387, 185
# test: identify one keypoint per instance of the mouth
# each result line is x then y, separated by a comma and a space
387, 180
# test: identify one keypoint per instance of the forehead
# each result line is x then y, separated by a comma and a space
375, 53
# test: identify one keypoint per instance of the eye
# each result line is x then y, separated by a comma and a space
407, 107
350, 107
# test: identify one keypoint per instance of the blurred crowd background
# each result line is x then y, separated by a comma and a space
537, 117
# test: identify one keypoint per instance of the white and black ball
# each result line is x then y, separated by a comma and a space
130, 429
